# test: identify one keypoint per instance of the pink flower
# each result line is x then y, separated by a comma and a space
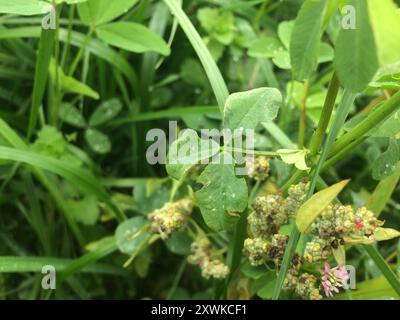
333, 279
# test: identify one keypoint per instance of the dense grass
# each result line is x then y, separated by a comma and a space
76, 103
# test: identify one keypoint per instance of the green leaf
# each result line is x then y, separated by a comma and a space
386, 30
383, 192
98, 141
340, 255
132, 236
381, 234
357, 69
222, 194
35, 264
96, 12
311, 209
105, 112
390, 128
24, 7
389, 81
76, 175
253, 272
219, 24
374, 289
305, 40
325, 53
296, 157
150, 194
265, 285
43, 62
264, 47
247, 109
179, 243
69, 84
187, 151
282, 59
71, 115
133, 37
285, 30
85, 210
387, 162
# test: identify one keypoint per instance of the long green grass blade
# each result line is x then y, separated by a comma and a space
214, 75
41, 74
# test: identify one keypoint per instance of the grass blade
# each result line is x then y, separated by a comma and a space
41, 74
214, 75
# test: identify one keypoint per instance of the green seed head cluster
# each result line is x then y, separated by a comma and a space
171, 217
268, 215
256, 250
296, 195
336, 224
258, 167
201, 255
304, 284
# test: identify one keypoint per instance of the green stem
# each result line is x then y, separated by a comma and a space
329, 104
254, 152
82, 49
383, 267
375, 118
177, 279
303, 115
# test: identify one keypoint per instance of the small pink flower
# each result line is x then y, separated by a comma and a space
358, 224
333, 279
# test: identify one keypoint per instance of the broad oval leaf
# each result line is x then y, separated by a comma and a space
98, 141
312, 208
305, 39
96, 12
356, 60
388, 161
132, 235
179, 243
71, 115
132, 37
285, 30
105, 112
264, 47
247, 109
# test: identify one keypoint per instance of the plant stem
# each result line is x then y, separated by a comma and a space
303, 115
79, 55
177, 279
319, 134
376, 117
